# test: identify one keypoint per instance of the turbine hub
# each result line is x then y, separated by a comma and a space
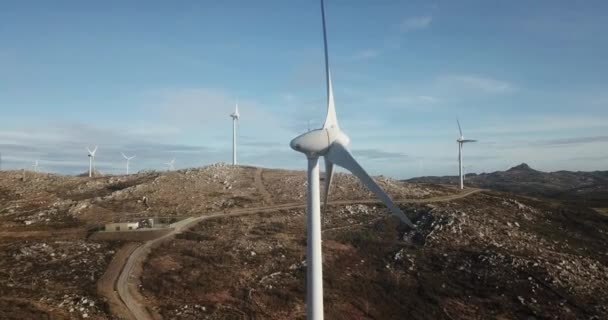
317, 142
312, 143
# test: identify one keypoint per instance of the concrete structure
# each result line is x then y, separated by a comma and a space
122, 226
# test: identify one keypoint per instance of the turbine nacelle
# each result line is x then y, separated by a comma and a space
317, 142
235, 115
462, 139
92, 152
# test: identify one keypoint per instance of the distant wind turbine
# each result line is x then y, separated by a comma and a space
331, 143
461, 141
128, 159
171, 164
35, 165
91, 160
235, 118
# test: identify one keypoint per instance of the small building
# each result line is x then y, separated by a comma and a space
122, 226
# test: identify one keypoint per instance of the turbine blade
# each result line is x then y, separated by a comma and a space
329, 173
459, 129
338, 154
123, 155
469, 140
331, 120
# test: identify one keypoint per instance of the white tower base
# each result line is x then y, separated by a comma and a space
460, 165
314, 256
234, 142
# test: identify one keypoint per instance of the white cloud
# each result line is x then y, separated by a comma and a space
415, 23
477, 82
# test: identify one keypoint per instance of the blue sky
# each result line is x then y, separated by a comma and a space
158, 79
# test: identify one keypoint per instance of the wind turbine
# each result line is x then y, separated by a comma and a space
235, 118
171, 164
128, 159
35, 165
461, 141
331, 143
91, 160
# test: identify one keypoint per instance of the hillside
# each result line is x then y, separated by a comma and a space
584, 188
487, 256
473, 255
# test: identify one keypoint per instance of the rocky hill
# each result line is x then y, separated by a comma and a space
584, 188
483, 255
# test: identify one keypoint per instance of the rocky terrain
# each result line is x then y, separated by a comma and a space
49, 266
486, 256
588, 189
53, 277
344, 187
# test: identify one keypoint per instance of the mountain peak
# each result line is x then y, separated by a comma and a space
523, 166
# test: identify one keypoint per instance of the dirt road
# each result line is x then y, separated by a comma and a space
107, 283
259, 184
126, 278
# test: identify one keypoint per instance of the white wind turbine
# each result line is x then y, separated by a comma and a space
171, 164
235, 118
331, 143
91, 160
35, 165
128, 160
461, 141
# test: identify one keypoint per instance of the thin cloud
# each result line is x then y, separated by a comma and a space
476, 82
377, 154
416, 100
541, 124
570, 141
66, 153
590, 158
366, 54
415, 23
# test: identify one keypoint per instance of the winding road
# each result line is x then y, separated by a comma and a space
125, 269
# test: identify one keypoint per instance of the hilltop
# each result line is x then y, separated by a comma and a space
584, 188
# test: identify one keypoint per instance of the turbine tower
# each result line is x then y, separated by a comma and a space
35, 165
91, 160
331, 143
171, 164
461, 141
128, 159
235, 118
